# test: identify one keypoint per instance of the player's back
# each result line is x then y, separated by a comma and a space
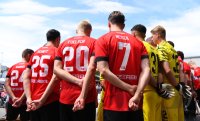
75, 53
166, 52
124, 54
153, 59
41, 63
15, 74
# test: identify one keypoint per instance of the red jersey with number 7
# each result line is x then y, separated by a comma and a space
124, 53
41, 64
15, 75
75, 54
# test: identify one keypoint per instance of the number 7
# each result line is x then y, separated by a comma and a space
122, 45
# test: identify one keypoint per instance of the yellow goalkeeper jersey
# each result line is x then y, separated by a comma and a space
166, 52
153, 59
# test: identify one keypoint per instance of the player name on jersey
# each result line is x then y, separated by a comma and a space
20, 88
75, 41
39, 81
130, 77
23, 66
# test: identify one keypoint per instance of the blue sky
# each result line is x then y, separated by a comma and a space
24, 23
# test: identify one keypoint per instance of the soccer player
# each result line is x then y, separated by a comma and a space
76, 56
196, 78
39, 77
189, 103
173, 107
14, 88
151, 100
121, 58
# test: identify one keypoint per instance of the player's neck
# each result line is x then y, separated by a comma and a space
140, 38
82, 34
24, 60
115, 28
49, 44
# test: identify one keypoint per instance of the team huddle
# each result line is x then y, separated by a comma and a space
141, 80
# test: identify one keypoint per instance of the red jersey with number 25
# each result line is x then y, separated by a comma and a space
15, 74
75, 54
124, 54
41, 63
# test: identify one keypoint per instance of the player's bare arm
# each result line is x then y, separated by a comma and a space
62, 74
26, 85
80, 101
38, 103
9, 90
143, 81
19, 101
104, 70
169, 73
181, 73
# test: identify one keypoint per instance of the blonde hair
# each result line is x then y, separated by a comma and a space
160, 30
84, 26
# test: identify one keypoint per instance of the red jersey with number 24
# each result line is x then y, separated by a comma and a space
15, 74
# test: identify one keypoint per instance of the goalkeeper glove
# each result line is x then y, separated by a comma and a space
165, 90
184, 90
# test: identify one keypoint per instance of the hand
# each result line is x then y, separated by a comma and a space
79, 104
29, 105
14, 99
184, 90
134, 102
17, 103
165, 90
80, 83
132, 90
194, 94
36, 104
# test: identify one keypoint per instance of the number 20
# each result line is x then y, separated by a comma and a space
79, 49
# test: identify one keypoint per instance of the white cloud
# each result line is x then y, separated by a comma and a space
105, 6
23, 24
183, 31
27, 22
28, 7
97, 26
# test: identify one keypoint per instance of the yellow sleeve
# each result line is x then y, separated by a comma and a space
162, 53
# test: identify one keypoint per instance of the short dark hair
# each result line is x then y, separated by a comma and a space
27, 52
116, 17
181, 54
171, 43
52, 34
140, 28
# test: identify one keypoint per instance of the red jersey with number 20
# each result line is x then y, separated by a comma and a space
124, 54
75, 54
41, 63
15, 74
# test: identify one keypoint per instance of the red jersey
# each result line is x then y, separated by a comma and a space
124, 54
186, 68
41, 64
197, 78
75, 54
15, 74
